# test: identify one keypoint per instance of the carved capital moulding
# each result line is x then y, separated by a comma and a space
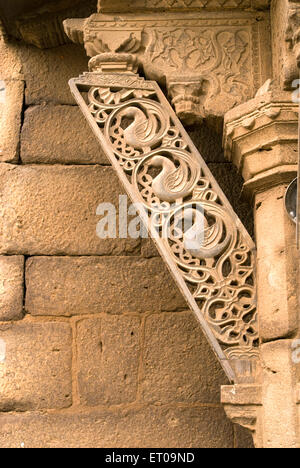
209, 61
261, 138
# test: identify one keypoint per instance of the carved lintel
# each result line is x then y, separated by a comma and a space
210, 62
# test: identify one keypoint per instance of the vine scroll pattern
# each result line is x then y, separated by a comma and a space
162, 171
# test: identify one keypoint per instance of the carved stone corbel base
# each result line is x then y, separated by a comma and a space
243, 404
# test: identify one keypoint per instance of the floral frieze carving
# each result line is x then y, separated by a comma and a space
210, 62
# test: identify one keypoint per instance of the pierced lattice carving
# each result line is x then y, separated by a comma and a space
213, 260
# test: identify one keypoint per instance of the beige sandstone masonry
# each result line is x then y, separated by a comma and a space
11, 287
157, 387
129, 366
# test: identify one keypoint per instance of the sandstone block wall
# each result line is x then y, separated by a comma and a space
97, 347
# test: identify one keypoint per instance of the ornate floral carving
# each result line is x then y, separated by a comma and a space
183, 49
212, 260
211, 62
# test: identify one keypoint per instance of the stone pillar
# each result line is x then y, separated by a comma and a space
261, 138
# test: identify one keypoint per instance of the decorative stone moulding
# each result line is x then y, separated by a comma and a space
255, 134
142, 5
209, 62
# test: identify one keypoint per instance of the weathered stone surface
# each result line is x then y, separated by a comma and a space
59, 135
35, 372
208, 142
178, 363
11, 104
153, 426
52, 210
243, 438
231, 183
280, 376
10, 63
91, 285
148, 249
108, 360
277, 266
11, 288
47, 72
39, 22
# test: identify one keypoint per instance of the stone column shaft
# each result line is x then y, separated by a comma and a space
261, 137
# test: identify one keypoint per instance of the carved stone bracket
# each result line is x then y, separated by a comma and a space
209, 61
211, 257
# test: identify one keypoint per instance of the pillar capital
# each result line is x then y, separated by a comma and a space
261, 138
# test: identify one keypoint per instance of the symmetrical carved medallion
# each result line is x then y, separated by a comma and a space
211, 256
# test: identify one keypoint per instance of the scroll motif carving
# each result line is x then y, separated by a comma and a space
201, 66
184, 49
213, 259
